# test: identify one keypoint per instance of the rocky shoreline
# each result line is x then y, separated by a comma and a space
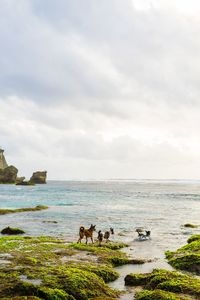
52, 268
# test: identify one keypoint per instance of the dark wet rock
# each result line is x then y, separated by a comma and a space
25, 183
138, 261
39, 177
50, 221
12, 231
136, 279
8, 175
188, 225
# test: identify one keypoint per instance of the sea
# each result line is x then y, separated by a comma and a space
161, 206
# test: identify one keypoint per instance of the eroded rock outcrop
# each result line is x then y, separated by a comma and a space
39, 177
25, 182
8, 175
19, 180
3, 163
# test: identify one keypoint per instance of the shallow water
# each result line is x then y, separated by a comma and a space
160, 206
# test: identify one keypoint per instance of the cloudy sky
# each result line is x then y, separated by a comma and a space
101, 89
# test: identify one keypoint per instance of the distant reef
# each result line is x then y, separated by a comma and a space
5, 211
8, 174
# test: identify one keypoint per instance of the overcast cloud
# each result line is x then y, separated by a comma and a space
101, 89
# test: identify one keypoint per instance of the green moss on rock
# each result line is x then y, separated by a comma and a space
19, 210
107, 273
195, 237
157, 295
188, 225
187, 257
136, 279
37, 269
108, 253
167, 281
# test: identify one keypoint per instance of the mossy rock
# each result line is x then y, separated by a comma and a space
136, 279
157, 295
28, 290
84, 285
12, 231
22, 298
5, 211
193, 238
170, 281
187, 257
188, 225
107, 253
39, 259
107, 273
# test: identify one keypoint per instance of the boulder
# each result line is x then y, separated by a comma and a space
19, 180
8, 175
39, 177
10, 231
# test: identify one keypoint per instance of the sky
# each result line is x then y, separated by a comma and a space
101, 89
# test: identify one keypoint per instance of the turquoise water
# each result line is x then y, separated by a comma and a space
161, 206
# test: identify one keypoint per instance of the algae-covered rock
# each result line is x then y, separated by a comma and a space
170, 281
40, 261
12, 231
157, 295
136, 279
187, 257
188, 225
39, 177
4, 211
108, 253
193, 238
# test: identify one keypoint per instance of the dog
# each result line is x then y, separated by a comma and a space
87, 233
111, 230
143, 236
107, 234
100, 237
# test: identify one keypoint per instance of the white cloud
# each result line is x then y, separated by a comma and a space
100, 90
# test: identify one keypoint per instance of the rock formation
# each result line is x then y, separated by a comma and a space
19, 180
8, 175
39, 177
3, 163
25, 183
